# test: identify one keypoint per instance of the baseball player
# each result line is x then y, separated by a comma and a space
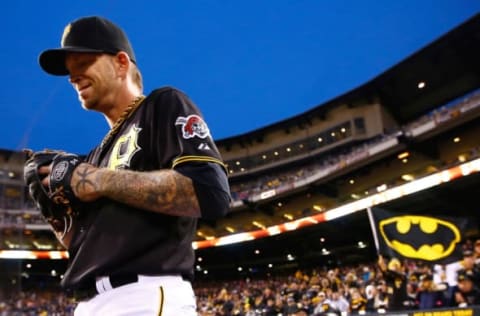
134, 201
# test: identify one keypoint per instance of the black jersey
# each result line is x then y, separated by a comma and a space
166, 131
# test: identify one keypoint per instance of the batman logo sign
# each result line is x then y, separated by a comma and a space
420, 237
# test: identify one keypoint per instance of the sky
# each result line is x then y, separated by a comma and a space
246, 64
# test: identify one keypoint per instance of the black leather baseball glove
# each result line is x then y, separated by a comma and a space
57, 202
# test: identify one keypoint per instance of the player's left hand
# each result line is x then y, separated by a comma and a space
58, 177
47, 175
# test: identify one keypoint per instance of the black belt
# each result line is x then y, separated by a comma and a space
115, 281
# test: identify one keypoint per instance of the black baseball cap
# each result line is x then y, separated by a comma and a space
91, 34
464, 275
426, 277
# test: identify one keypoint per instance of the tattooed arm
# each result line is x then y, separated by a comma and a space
163, 191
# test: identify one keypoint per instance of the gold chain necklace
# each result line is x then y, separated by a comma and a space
118, 123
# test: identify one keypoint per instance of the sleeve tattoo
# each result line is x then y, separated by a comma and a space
164, 191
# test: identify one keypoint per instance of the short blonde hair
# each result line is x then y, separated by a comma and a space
136, 76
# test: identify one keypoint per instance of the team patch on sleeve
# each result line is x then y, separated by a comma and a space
193, 126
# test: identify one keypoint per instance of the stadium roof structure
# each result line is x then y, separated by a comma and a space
435, 75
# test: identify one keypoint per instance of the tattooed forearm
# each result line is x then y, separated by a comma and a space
164, 191
85, 182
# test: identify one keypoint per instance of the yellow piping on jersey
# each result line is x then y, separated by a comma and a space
162, 298
198, 159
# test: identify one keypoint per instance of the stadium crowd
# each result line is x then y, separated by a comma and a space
376, 287
367, 288
338, 159
38, 303
386, 285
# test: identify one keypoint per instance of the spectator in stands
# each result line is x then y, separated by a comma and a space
291, 308
451, 273
302, 312
367, 274
439, 275
293, 291
270, 308
222, 297
306, 304
338, 302
325, 284
429, 296
322, 304
279, 302
412, 289
268, 293
266, 299
370, 294
476, 251
469, 266
312, 292
334, 280
396, 280
351, 280
358, 304
467, 293
380, 301
247, 299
